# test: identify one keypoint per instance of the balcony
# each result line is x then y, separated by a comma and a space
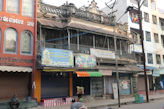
122, 54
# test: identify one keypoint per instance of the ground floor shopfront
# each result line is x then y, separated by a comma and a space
63, 84
155, 80
125, 84
15, 82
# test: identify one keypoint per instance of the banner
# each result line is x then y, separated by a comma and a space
102, 53
57, 57
85, 61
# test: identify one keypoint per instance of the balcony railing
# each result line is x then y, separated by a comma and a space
83, 49
140, 62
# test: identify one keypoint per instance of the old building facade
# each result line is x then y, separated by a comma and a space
76, 48
17, 47
153, 38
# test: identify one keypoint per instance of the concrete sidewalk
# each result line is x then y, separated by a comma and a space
108, 102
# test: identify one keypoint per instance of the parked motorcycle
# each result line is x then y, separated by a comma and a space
78, 105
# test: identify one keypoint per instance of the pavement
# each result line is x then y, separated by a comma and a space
156, 104
93, 104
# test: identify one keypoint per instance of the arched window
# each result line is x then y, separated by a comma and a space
11, 37
12, 6
1, 5
26, 42
28, 8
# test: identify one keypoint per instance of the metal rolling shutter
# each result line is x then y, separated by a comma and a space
14, 83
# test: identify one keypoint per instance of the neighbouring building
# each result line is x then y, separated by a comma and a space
17, 47
153, 38
75, 47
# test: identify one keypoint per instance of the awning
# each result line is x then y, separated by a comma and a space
95, 74
123, 69
92, 27
88, 74
50, 23
147, 67
106, 72
82, 74
15, 69
147, 73
81, 24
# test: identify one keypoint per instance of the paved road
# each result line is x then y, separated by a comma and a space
157, 104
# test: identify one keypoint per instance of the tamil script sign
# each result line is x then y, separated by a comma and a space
57, 57
102, 53
85, 61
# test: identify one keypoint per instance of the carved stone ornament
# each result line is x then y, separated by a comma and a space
93, 8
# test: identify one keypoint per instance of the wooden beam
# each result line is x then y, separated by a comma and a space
70, 84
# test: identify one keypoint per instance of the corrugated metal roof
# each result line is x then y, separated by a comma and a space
127, 68
83, 25
50, 23
106, 72
15, 69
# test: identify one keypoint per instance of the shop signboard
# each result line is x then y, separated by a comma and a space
16, 21
138, 48
85, 61
57, 57
156, 72
102, 53
162, 71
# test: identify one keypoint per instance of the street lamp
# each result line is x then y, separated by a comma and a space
143, 51
130, 8
142, 43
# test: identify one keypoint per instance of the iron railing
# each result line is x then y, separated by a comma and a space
84, 49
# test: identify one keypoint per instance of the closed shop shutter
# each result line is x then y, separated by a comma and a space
96, 86
14, 84
54, 85
108, 84
141, 83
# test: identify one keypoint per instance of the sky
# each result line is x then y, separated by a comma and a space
100, 3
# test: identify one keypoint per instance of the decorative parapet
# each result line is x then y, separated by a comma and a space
90, 13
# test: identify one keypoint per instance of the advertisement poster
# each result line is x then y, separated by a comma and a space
85, 61
125, 86
57, 57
